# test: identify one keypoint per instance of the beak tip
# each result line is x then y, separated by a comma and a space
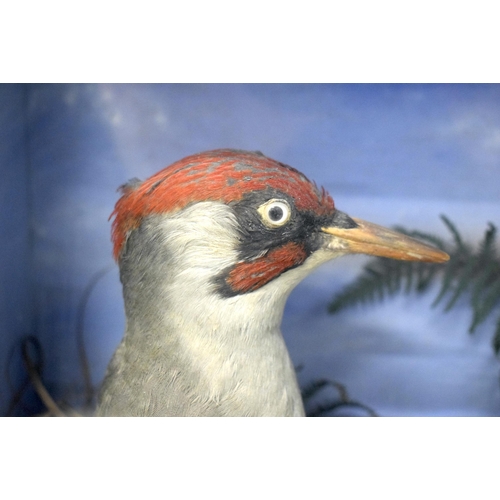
442, 258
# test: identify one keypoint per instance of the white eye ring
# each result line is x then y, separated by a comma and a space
275, 213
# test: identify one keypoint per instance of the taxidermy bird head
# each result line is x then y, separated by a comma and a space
209, 250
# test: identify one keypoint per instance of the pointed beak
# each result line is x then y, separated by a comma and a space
370, 239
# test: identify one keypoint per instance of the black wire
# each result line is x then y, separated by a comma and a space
34, 363
80, 334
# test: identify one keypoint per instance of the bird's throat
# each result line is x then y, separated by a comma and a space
197, 364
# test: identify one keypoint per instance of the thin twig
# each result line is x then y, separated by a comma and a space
34, 375
80, 331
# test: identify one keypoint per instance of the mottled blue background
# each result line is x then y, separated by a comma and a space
392, 154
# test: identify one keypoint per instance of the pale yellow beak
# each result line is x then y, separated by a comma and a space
376, 240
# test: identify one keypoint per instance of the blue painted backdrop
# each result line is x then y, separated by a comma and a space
393, 154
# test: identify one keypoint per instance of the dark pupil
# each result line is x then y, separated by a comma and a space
276, 213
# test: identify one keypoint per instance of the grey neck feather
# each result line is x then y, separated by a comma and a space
187, 351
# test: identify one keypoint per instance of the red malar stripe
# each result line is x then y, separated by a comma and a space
249, 276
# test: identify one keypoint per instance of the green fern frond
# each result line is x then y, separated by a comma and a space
462, 282
472, 272
450, 272
487, 246
485, 293
485, 278
454, 231
426, 275
409, 277
489, 302
496, 338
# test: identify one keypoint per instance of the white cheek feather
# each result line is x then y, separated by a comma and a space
203, 238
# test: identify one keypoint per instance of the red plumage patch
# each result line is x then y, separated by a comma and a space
249, 276
221, 175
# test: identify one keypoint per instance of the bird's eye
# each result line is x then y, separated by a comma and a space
275, 213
